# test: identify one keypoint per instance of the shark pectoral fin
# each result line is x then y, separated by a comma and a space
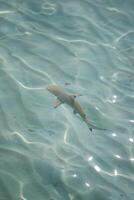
57, 103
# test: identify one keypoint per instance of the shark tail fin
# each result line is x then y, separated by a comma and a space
91, 126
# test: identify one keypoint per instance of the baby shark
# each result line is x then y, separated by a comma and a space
70, 99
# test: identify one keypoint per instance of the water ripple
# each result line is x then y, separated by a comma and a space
49, 153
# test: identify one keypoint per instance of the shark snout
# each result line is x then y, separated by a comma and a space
48, 88
51, 88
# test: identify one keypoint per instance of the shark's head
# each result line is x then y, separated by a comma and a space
54, 89
51, 88
59, 91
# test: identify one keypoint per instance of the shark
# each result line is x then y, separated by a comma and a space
64, 97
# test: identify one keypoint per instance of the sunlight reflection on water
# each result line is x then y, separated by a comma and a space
87, 48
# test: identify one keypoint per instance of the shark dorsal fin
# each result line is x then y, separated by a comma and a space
74, 95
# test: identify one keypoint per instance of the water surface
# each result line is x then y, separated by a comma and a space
48, 153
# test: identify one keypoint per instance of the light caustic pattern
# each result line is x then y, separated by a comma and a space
48, 153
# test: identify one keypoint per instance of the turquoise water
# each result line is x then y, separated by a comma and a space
47, 153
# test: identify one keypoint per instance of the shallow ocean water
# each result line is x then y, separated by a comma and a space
48, 153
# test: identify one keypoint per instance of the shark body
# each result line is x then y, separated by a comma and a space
70, 99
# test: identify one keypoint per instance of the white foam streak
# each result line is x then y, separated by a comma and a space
28, 88
123, 35
21, 191
65, 136
22, 137
6, 12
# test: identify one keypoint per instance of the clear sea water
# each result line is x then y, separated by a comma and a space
47, 153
